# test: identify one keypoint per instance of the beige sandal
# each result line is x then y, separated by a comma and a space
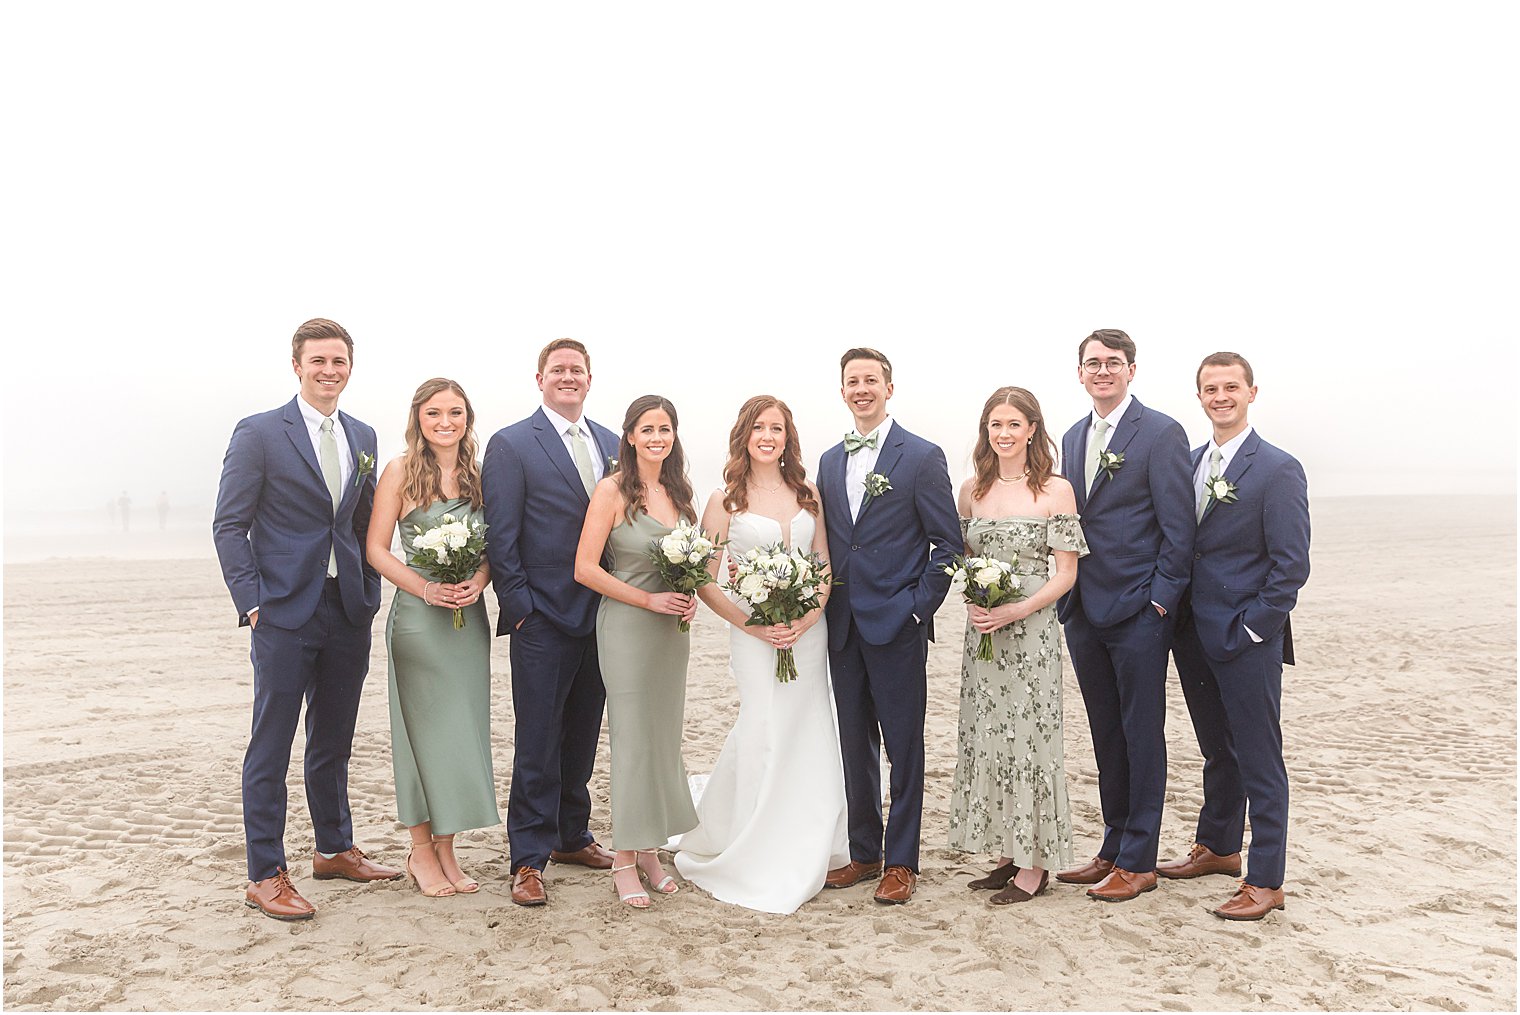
631, 899
667, 885
443, 891
466, 885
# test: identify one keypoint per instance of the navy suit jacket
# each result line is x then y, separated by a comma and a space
275, 525
1138, 520
535, 505
1252, 554
884, 569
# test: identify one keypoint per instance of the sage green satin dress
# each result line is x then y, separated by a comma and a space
440, 691
643, 659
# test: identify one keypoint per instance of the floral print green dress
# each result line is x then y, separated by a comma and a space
1009, 795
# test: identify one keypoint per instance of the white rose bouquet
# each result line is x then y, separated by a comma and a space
781, 586
450, 552
989, 582
682, 557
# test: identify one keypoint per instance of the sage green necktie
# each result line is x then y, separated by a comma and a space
1215, 457
333, 473
582, 456
1094, 446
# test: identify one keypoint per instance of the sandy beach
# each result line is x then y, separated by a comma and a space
127, 689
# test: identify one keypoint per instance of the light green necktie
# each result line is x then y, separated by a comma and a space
1094, 446
582, 456
333, 473
1215, 457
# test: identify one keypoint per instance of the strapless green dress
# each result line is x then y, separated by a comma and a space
440, 691
643, 660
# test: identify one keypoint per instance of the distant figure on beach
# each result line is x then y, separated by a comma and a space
1234, 634
1129, 467
890, 515
292, 513
124, 510
538, 475
1009, 794
163, 510
440, 675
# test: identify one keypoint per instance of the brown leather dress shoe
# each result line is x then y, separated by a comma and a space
528, 887
851, 873
1122, 885
896, 886
1251, 902
1200, 860
593, 856
1090, 873
352, 865
996, 878
276, 897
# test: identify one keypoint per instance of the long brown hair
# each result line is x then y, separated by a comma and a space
1041, 460
672, 471
421, 478
737, 471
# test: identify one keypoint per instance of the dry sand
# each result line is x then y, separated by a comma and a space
127, 691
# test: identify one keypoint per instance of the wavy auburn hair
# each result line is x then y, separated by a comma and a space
1041, 460
737, 470
421, 478
672, 471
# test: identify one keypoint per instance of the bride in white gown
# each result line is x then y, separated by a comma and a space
772, 816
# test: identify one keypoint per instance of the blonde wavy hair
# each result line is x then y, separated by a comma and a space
421, 477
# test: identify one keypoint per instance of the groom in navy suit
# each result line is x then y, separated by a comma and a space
1129, 467
292, 513
1250, 559
537, 478
886, 502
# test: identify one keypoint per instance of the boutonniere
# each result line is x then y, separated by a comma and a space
611, 464
1221, 490
366, 466
876, 485
1110, 461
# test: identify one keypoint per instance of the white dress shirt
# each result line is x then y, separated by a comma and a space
1227, 451
314, 420
860, 463
562, 427
1112, 419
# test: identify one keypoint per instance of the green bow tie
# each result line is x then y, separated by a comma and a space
853, 442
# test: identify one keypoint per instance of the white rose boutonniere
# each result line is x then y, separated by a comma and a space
876, 485
1110, 462
366, 466
1221, 490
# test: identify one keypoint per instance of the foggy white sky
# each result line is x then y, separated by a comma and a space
718, 201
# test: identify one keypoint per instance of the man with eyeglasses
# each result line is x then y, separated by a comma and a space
1130, 469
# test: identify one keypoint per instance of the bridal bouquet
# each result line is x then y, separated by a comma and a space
989, 582
450, 552
781, 586
682, 557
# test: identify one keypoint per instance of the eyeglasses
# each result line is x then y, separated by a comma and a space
1113, 366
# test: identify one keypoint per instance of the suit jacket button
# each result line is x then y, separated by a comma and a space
855, 547
1197, 556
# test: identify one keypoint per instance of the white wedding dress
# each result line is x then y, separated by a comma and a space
772, 815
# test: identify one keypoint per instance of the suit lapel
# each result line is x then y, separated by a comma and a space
886, 461
295, 429
1076, 464
1129, 425
350, 432
832, 476
553, 444
1238, 467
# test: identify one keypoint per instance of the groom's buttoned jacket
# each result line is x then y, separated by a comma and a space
1251, 554
884, 570
1138, 519
275, 523
535, 505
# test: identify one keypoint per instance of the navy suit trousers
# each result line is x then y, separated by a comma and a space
881, 692
323, 663
1237, 708
1121, 670
558, 697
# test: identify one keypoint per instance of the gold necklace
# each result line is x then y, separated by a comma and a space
1014, 479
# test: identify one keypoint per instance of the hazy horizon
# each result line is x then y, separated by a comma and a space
719, 201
